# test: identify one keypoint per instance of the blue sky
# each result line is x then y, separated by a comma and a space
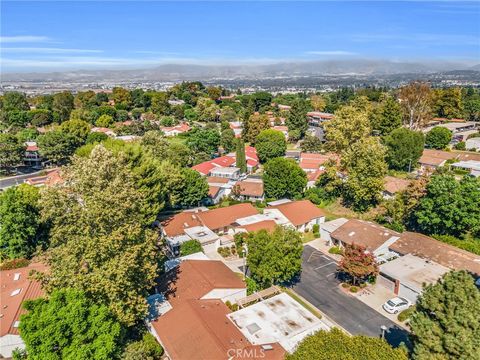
53, 36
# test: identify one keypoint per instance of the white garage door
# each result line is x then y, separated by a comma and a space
408, 293
385, 282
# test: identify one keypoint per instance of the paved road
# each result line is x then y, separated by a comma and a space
17, 180
319, 285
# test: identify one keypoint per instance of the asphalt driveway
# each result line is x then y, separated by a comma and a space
318, 284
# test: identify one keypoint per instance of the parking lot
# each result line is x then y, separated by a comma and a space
319, 284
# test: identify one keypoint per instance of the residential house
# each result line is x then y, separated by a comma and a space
237, 128
312, 162
473, 143
190, 320
176, 102
312, 177
32, 155
52, 177
375, 238
406, 275
328, 227
250, 190
175, 130
283, 129
472, 166
316, 118
455, 126
393, 185
432, 159
103, 130
15, 288
283, 107
218, 187
301, 215
211, 167
433, 250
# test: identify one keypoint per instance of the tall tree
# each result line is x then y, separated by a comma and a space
336, 345
283, 178
77, 128
365, 166
14, 100
415, 99
388, 116
240, 158
347, 127
11, 151
358, 263
227, 140
318, 102
448, 102
274, 257
67, 325
253, 126
62, 105
20, 232
445, 324
297, 118
57, 146
98, 242
270, 144
194, 188
404, 148
438, 138
311, 144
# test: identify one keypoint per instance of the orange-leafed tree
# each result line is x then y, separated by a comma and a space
358, 263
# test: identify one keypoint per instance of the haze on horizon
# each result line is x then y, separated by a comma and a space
62, 36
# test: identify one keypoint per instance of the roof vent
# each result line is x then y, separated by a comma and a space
15, 292
16, 276
351, 233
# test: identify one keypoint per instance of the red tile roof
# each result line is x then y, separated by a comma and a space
436, 157
250, 188
299, 212
268, 225
394, 185
213, 190
176, 224
199, 329
222, 217
313, 176
11, 305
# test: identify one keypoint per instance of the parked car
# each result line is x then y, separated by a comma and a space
395, 305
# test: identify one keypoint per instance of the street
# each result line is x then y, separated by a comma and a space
319, 285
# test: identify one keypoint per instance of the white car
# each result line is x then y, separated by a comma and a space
395, 305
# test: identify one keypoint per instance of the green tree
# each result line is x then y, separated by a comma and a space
203, 140
318, 102
404, 148
207, 110
472, 109
448, 102
438, 138
358, 263
146, 348
77, 128
270, 144
57, 146
190, 247
85, 99
18, 118
445, 324
297, 118
365, 165
274, 257
240, 158
96, 137
194, 188
68, 325
104, 121
283, 178
14, 100
253, 126
98, 242
449, 207
63, 105
20, 233
41, 117
311, 144
261, 100
388, 116
121, 97
347, 127
11, 151
336, 345
227, 140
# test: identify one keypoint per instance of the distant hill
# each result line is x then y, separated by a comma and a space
178, 72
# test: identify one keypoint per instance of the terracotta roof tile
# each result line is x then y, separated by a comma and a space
299, 212
222, 217
250, 188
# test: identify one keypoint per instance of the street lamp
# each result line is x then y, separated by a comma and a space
384, 328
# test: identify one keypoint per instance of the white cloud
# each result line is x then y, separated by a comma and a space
23, 39
45, 50
331, 52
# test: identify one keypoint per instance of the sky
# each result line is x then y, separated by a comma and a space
65, 35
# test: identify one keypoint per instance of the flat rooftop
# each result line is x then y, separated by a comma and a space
278, 319
414, 271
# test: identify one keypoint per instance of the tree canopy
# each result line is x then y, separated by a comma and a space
283, 178
274, 257
270, 144
404, 148
445, 324
69, 326
438, 138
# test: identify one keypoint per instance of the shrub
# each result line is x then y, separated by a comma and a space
353, 289
460, 145
252, 286
345, 285
190, 247
316, 228
14, 264
146, 348
363, 285
224, 251
405, 314
335, 250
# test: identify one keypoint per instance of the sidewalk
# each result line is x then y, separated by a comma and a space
321, 245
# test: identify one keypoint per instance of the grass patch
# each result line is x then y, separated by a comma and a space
308, 236
302, 302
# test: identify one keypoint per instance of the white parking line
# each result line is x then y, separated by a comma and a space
321, 266
315, 253
330, 274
